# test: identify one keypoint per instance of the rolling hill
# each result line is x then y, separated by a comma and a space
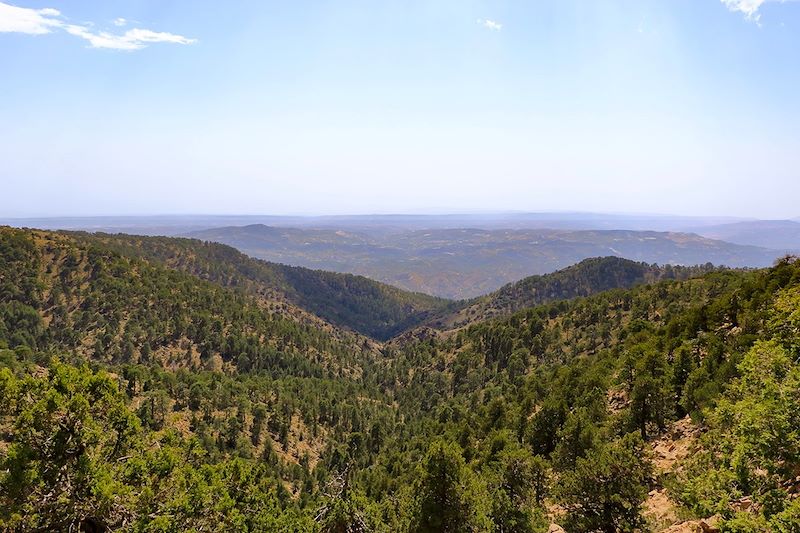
75, 294
376, 224
586, 278
465, 263
167, 384
775, 234
348, 301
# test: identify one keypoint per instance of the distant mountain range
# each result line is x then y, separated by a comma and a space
173, 225
776, 234
461, 256
187, 371
465, 263
347, 308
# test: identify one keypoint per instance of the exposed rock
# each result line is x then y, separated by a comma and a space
659, 509
692, 526
710, 525
706, 525
744, 504
617, 400
675, 445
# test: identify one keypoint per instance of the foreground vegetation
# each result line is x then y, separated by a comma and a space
139, 395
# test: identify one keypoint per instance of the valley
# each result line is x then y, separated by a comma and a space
399, 267
466, 263
220, 390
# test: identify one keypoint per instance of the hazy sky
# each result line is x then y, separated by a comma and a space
261, 107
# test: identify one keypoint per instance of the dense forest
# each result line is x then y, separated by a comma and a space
588, 277
154, 384
470, 260
353, 302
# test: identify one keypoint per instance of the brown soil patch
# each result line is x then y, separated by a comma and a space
675, 445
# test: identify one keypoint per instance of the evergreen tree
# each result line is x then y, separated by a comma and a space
606, 490
447, 494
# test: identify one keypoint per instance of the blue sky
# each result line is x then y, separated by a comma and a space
315, 107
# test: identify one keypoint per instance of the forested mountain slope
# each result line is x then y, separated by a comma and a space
466, 262
137, 397
65, 294
355, 302
588, 277
578, 392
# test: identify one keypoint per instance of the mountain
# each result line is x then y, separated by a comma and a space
79, 295
354, 302
161, 384
465, 263
775, 234
190, 354
174, 225
588, 277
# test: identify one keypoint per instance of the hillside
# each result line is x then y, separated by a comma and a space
375, 224
75, 295
588, 277
199, 360
140, 397
775, 234
467, 263
571, 381
353, 302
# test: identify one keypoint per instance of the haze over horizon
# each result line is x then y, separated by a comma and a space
686, 107
400, 266
410, 212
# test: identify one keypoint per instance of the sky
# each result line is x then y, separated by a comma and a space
686, 107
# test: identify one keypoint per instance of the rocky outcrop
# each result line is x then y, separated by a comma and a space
706, 525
